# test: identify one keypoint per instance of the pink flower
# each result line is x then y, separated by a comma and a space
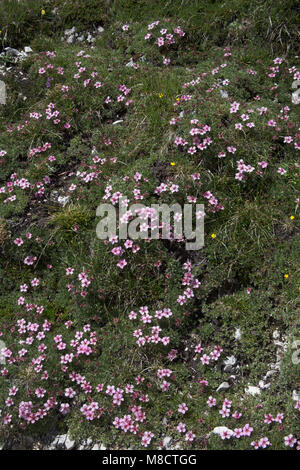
226, 434
268, 419
297, 406
205, 359
182, 408
181, 427
236, 415
238, 432
189, 436
146, 438
211, 402
263, 164
279, 418
224, 412
198, 348
290, 441
264, 442
122, 263
7, 419
247, 430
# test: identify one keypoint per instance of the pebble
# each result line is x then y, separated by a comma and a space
130, 63
229, 362
251, 390
69, 443
71, 36
2, 92
98, 447
224, 94
167, 441
237, 334
223, 386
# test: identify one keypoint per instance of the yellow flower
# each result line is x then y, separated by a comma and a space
292, 217
160, 95
43, 12
286, 276
172, 163
177, 99
213, 235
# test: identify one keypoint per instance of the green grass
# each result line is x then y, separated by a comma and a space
256, 242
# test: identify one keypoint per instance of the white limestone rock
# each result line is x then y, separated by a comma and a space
229, 363
251, 390
223, 386
2, 92
237, 334
167, 441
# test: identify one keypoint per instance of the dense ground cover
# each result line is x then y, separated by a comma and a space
128, 343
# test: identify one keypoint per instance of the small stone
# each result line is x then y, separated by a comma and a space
58, 442
229, 363
296, 395
10, 51
27, 49
143, 58
2, 92
224, 94
130, 63
237, 334
70, 39
68, 32
223, 386
100, 29
269, 373
276, 334
263, 385
63, 200
166, 441
86, 444
69, 444
253, 390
